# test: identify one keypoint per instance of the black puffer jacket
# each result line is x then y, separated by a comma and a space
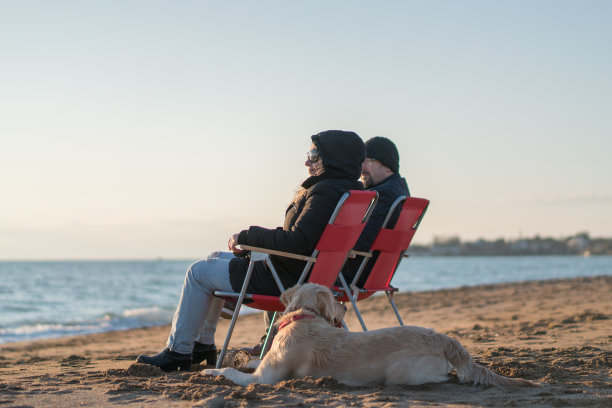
342, 154
388, 191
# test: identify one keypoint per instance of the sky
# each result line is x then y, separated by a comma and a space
147, 129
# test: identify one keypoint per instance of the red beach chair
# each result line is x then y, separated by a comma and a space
322, 267
391, 244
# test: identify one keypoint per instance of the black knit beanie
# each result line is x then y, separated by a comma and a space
383, 150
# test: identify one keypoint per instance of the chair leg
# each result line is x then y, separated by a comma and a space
358, 313
230, 330
268, 341
229, 334
348, 292
390, 298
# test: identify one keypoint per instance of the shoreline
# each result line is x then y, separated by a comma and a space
557, 332
120, 327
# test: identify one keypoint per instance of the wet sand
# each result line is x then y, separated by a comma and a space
557, 332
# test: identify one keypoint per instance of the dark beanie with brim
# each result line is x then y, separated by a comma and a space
383, 150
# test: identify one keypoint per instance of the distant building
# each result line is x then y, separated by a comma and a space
446, 246
579, 244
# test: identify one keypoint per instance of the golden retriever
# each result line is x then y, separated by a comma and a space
308, 344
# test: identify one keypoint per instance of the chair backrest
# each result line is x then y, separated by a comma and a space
392, 243
340, 235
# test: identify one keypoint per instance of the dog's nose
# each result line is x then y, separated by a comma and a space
345, 309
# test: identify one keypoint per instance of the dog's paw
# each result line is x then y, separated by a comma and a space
253, 364
211, 371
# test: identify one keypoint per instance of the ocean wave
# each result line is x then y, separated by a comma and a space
43, 331
128, 319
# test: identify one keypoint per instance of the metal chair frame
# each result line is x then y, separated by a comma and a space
334, 232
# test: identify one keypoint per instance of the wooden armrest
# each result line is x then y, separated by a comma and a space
278, 253
221, 293
354, 254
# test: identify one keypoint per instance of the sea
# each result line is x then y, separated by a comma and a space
64, 298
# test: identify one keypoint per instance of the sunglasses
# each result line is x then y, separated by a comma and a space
313, 155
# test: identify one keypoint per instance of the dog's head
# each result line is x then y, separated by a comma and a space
316, 298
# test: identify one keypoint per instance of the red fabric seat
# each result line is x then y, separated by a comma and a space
391, 245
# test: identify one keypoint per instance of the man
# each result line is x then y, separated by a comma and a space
380, 173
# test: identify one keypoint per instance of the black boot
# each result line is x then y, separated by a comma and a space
167, 360
203, 352
256, 349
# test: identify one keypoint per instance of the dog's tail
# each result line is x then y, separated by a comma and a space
469, 371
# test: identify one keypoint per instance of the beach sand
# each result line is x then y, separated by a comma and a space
557, 332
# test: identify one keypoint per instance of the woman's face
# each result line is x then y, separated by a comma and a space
313, 161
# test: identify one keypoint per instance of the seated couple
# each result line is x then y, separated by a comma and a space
335, 162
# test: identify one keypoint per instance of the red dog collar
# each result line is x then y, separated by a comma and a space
292, 319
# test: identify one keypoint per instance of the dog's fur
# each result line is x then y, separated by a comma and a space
399, 355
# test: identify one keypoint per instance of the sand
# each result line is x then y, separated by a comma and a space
557, 332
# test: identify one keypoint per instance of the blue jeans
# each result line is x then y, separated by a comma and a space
198, 311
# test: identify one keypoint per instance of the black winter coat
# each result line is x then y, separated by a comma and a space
388, 191
305, 219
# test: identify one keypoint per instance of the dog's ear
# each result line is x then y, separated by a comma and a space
288, 294
325, 304
340, 311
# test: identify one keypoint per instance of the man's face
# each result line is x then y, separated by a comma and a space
373, 172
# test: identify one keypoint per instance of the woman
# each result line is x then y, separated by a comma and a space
334, 166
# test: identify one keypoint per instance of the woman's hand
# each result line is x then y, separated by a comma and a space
233, 243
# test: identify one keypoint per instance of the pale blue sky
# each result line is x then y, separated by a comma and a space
138, 129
